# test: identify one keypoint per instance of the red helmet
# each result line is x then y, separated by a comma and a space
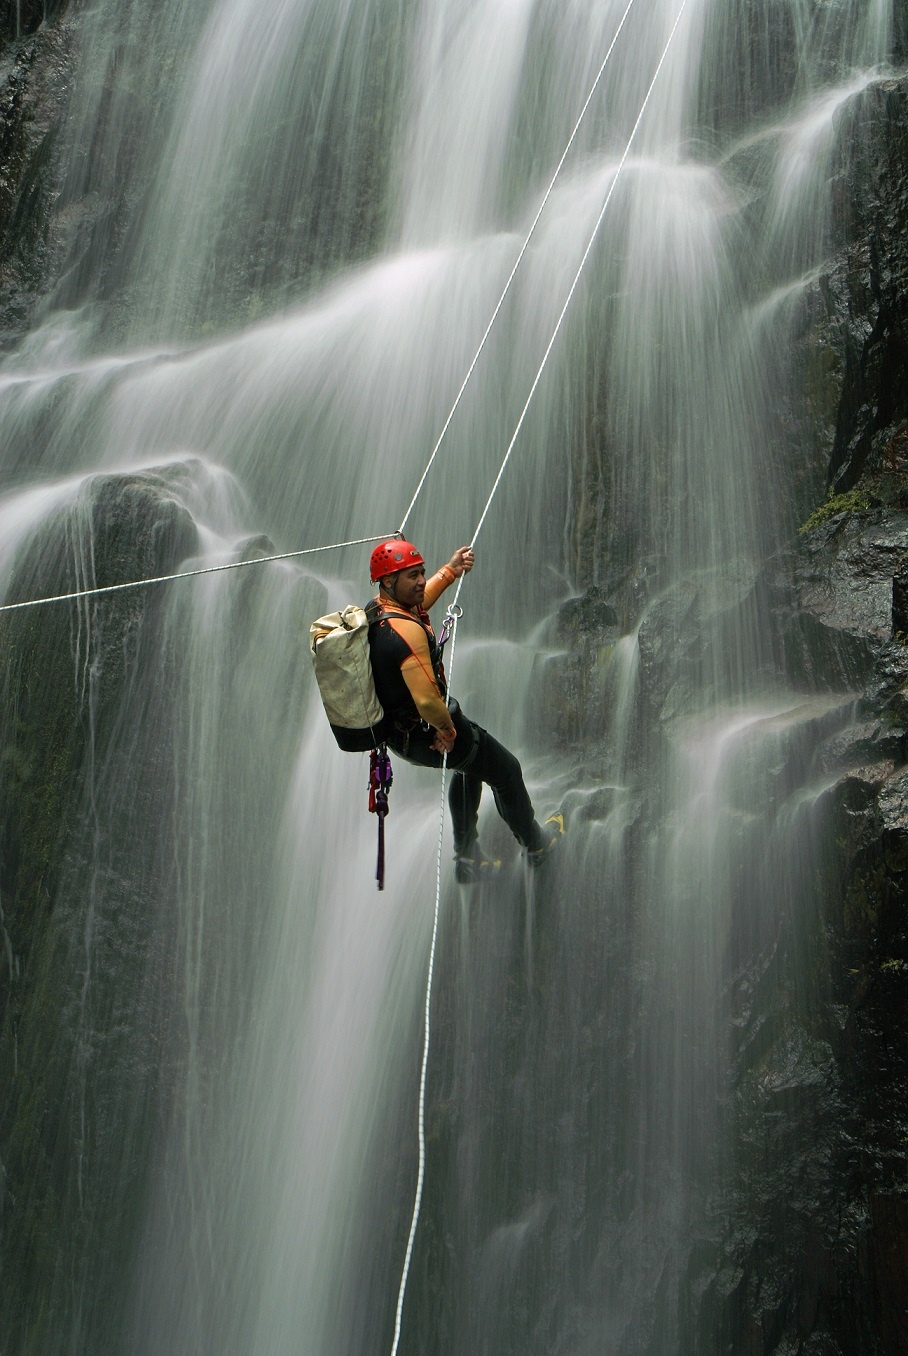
392, 556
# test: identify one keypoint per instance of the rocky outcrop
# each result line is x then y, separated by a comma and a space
867, 292
36, 66
842, 621
811, 1228
84, 1016
69, 229
27, 16
822, 1083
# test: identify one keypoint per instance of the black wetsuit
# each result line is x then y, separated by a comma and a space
476, 757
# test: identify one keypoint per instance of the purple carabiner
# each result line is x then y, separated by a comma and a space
453, 614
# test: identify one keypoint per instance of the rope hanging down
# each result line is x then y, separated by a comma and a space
517, 262
449, 630
453, 613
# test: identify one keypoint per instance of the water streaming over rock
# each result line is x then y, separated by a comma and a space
286, 235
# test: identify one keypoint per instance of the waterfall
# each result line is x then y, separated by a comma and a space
284, 233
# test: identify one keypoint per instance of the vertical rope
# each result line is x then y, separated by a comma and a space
421, 1173
420, 1179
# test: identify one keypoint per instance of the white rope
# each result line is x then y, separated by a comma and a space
573, 287
288, 555
187, 574
421, 1173
517, 262
453, 613
361, 541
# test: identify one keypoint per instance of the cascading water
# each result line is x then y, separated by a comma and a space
289, 234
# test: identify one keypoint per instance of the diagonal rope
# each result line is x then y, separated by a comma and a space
361, 541
573, 287
453, 613
186, 574
289, 555
517, 262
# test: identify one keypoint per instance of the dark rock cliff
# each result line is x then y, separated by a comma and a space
837, 611
37, 55
815, 1223
84, 1046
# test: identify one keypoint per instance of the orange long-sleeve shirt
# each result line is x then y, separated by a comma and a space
416, 668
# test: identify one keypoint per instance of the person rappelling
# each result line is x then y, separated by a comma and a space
422, 726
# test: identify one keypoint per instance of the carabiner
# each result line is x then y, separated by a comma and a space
453, 614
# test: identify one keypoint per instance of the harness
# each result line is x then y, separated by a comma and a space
393, 692
402, 717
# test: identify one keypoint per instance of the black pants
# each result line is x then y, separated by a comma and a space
476, 758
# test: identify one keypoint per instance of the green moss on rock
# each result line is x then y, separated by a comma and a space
852, 501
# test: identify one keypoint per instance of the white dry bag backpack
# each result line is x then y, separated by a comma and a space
339, 644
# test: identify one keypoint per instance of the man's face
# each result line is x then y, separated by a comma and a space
409, 585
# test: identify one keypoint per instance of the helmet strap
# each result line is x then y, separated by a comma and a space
389, 588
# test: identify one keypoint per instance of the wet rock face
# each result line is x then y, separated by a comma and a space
850, 590
35, 69
815, 1221
814, 1224
84, 1047
26, 16
866, 291
836, 600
